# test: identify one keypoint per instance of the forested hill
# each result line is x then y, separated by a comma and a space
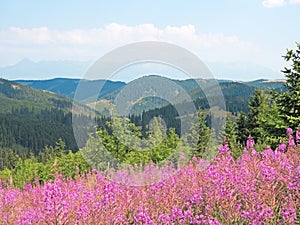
68, 87
263, 83
237, 94
15, 96
30, 119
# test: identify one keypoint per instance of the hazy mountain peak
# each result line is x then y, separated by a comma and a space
24, 61
28, 69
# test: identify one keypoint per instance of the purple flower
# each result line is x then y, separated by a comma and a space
143, 217
224, 149
291, 141
281, 147
289, 131
253, 152
298, 134
250, 142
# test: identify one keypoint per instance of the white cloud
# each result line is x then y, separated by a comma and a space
294, 1
273, 3
85, 44
278, 3
111, 34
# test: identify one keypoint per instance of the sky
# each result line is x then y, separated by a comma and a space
257, 32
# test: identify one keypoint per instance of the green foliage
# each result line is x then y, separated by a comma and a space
96, 154
242, 129
231, 134
121, 141
51, 152
263, 121
26, 170
54, 160
8, 158
200, 135
70, 164
289, 102
5, 174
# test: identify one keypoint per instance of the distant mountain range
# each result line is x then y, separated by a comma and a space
27, 69
67, 87
237, 94
241, 70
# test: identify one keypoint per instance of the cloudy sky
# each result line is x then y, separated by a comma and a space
248, 31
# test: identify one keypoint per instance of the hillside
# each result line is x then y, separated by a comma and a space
236, 94
68, 87
32, 119
266, 84
16, 96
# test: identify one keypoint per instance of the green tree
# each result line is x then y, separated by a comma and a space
230, 132
51, 152
70, 164
289, 102
263, 121
242, 128
98, 151
199, 135
8, 158
28, 169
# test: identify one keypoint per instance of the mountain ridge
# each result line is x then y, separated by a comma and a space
29, 69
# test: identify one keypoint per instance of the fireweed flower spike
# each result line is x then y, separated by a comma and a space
289, 131
224, 149
298, 135
281, 147
250, 142
290, 138
291, 142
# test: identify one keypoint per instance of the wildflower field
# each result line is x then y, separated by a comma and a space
258, 188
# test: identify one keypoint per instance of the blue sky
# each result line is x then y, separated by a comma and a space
250, 31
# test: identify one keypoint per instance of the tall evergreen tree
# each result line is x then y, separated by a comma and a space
289, 102
230, 132
199, 135
242, 128
262, 122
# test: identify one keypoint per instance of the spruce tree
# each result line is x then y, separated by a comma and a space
289, 102
230, 132
242, 128
262, 122
199, 135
